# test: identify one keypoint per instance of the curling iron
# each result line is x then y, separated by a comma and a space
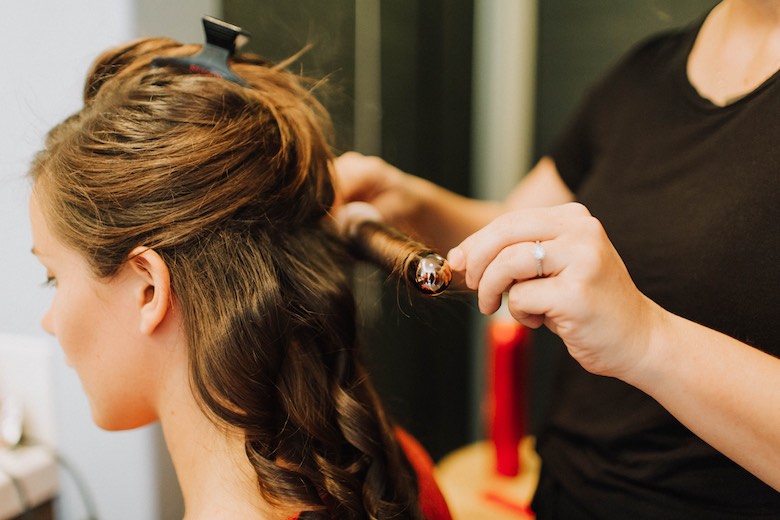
424, 269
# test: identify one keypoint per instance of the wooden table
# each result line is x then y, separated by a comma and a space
474, 491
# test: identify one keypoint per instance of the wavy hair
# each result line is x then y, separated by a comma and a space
229, 185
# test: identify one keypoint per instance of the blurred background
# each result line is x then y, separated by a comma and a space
467, 93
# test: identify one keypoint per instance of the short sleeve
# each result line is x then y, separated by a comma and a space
576, 148
572, 150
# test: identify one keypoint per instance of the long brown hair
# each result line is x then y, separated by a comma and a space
230, 185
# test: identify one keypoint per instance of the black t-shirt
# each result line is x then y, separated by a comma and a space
688, 193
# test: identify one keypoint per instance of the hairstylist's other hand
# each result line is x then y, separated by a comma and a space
371, 179
585, 294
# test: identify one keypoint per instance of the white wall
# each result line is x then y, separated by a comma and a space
46, 47
503, 120
503, 80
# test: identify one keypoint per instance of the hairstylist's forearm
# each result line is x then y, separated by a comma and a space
723, 390
429, 213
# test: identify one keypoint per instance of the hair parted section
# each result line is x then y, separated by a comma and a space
230, 185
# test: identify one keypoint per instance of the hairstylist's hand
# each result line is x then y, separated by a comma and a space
370, 179
585, 294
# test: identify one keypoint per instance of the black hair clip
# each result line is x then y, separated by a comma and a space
222, 39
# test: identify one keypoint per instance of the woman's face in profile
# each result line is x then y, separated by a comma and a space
97, 327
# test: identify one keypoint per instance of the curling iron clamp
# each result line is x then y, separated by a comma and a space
222, 40
362, 225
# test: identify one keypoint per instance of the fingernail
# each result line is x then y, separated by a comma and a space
456, 259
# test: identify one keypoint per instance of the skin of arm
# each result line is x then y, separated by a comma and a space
430, 213
724, 391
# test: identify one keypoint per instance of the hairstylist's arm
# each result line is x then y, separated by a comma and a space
431, 213
723, 390
418, 207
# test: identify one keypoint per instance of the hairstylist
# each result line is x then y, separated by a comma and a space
663, 276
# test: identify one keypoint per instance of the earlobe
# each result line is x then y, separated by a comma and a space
154, 291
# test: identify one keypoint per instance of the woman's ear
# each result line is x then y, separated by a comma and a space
154, 292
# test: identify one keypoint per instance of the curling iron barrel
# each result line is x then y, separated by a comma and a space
381, 244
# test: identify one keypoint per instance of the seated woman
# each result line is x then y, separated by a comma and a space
184, 220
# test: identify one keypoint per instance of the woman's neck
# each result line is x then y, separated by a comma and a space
216, 478
737, 49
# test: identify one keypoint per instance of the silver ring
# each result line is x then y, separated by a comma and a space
539, 255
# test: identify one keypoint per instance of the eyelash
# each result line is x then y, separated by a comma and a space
50, 282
